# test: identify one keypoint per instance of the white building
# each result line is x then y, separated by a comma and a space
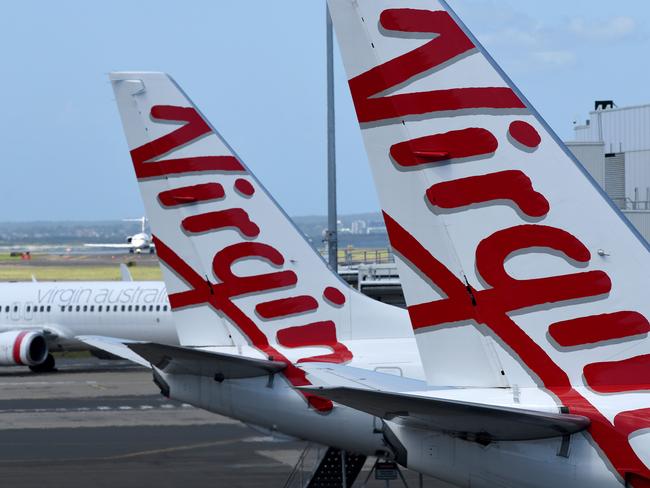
358, 227
614, 146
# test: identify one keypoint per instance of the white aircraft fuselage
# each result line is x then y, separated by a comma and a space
60, 311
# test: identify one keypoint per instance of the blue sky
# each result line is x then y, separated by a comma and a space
257, 70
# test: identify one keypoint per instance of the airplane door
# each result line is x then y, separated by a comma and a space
15, 311
29, 311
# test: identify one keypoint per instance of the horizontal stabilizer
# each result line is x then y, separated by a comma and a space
117, 347
480, 422
330, 374
185, 360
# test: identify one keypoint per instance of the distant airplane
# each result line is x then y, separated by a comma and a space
38, 318
259, 313
137, 243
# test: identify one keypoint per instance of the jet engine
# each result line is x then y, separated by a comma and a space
24, 347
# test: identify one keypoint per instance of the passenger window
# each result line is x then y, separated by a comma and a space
42, 308
77, 308
164, 308
63, 308
15, 308
49, 308
157, 308
69, 308
137, 308
92, 308
130, 308
85, 308
151, 308
123, 308
28, 308
114, 308
99, 308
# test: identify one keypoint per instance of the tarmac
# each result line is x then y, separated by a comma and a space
103, 423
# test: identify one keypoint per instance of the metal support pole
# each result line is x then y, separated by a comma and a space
332, 235
344, 481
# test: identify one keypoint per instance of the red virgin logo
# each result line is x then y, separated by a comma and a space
220, 295
492, 306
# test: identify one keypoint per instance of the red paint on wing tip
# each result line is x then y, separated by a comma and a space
525, 134
320, 404
334, 296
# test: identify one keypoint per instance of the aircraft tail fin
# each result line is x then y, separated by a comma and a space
488, 212
517, 268
238, 272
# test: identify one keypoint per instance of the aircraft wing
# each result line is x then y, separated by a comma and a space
115, 346
179, 360
186, 360
117, 246
332, 374
475, 421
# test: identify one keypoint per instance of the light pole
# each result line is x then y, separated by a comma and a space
332, 235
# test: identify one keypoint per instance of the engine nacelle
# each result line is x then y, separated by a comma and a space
24, 347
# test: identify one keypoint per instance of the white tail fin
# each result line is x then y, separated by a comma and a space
237, 270
515, 267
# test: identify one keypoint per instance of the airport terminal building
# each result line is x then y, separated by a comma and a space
614, 146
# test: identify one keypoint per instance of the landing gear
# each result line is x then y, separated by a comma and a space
47, 366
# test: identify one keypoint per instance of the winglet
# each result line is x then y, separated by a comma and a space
126, 274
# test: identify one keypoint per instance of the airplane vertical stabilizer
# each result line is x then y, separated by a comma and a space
517, 269
237, 270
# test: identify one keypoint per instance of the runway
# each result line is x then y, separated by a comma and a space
104, 424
